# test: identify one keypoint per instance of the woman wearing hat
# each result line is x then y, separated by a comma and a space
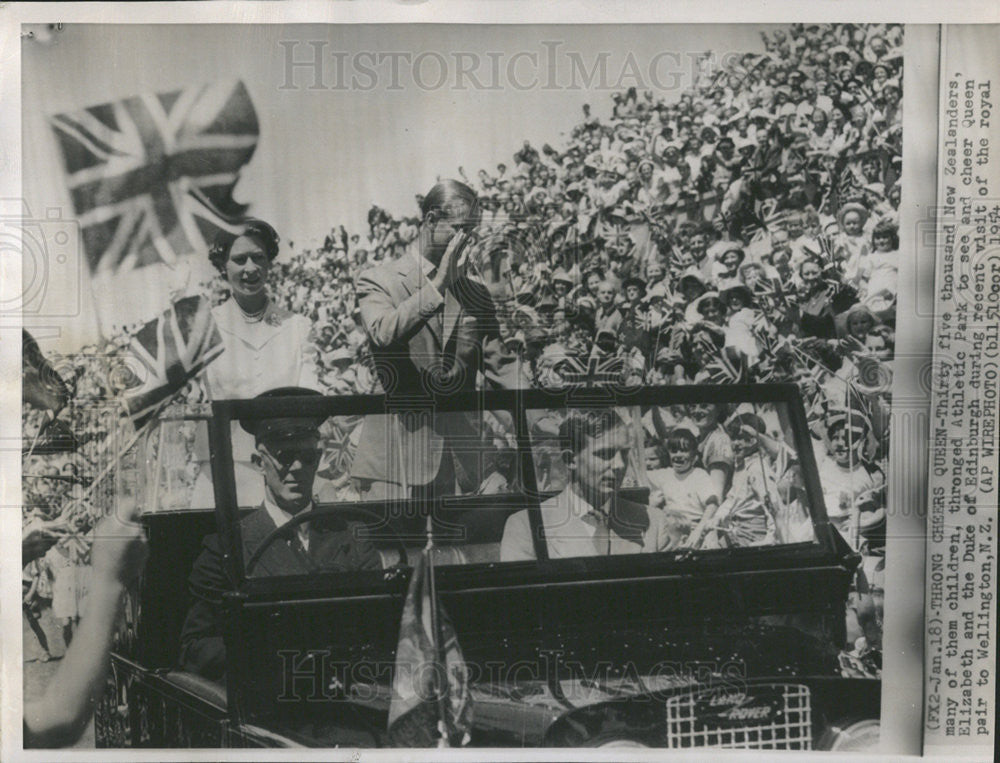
672, 177
729, 256
649, 192
725, 164
742, 321
691, 287
341, 378
889, 116
562, 284
711, 309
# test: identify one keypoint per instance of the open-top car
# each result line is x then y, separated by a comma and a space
701, 603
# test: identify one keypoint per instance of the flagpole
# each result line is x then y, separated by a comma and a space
439, 661
88, 494
855, 513
57, 477
38, 434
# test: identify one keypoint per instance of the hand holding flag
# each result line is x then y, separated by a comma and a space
41, 386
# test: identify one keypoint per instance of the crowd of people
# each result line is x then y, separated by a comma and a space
746, 231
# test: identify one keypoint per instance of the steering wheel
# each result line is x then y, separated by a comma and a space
305, 516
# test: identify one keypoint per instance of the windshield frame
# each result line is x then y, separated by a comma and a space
517, 403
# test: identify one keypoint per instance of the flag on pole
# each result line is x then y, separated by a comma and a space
165, 354
54, 436
151, 177
727, 366
431, 683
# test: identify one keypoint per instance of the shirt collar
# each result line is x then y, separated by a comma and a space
582, 509
280, 517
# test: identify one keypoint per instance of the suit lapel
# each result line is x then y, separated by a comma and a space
330, 546
411, 277
280, 558
406, 269
630, 520
452, 311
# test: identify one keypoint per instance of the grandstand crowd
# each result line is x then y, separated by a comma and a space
746, 231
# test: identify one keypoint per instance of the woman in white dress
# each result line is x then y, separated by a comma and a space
266, 347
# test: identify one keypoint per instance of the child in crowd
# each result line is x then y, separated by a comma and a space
851, 489
879, 271
687, 493
851, 245
759, 503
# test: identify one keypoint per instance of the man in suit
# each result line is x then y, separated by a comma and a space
287, 455
589, 517
433, 329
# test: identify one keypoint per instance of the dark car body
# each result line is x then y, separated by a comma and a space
728, 647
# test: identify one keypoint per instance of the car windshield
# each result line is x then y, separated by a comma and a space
381, 457
353, 492
685, 476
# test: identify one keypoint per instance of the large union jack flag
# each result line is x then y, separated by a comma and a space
151, 177
165, 354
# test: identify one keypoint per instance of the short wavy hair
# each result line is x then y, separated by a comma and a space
583, 425
889, 229
256, 229
435, 203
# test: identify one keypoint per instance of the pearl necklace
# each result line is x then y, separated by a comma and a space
255, 317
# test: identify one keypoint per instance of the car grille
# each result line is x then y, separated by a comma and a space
757, 717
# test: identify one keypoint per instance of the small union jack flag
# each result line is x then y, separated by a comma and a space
151, 176
767, 219
166, 353
599, 371
723, 369
339, 446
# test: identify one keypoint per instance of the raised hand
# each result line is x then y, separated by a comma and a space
451, 266
119, 551
38, 536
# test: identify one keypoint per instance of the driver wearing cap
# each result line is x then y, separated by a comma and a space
287, 454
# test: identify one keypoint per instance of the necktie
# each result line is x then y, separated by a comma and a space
602, 533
